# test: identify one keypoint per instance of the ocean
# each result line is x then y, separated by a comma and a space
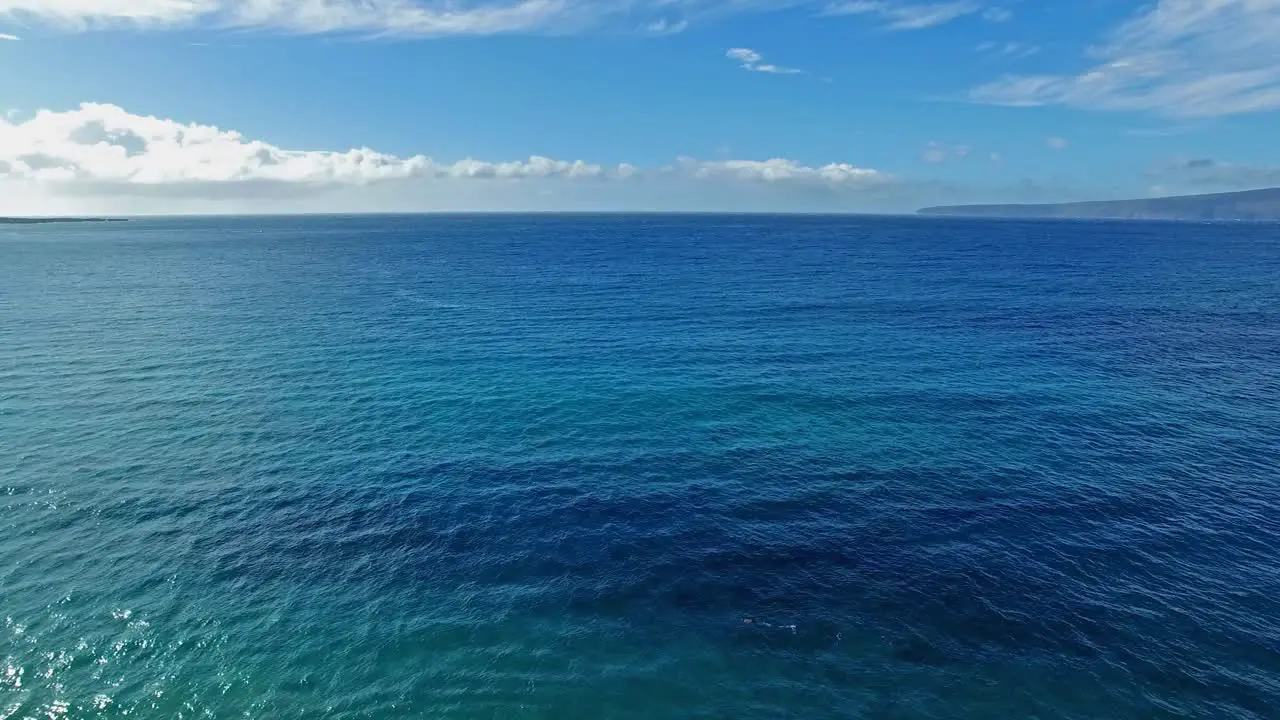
639, 466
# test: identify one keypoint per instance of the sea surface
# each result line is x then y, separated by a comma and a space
638, 467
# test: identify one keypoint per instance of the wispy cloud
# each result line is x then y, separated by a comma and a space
935, 153
1162, 132
437, 18
424, 18
1009, 49
899, 15
997, 14
7, 36
403, 17
1190, 58
387, 18
752, 61
79, 14
1056, 143
665, 26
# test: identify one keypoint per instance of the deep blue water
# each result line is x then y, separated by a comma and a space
639, 467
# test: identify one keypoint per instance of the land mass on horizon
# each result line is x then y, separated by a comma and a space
1245, 205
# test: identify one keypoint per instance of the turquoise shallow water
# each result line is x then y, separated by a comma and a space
639, 467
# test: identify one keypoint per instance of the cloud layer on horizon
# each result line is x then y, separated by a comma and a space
102, 158
104, 149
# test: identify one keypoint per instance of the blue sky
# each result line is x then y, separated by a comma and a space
841, 105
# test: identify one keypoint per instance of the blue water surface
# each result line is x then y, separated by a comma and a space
639, 467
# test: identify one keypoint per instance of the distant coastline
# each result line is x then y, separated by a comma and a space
42, 221
1246, 205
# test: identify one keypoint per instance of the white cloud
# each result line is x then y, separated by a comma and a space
997, 14
383, 17
934, 153
1009, 49
105, 150
85, 13
780, 170
1193, 58
750, 60
899, 15
101, 159
7, 36
776, 69
534, 167
105, 144
663, 26
436, 18
1056, 143
387, 18
398, 17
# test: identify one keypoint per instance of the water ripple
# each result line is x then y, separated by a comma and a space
639, 467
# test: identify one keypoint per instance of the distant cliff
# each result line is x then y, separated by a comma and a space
1247, 205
